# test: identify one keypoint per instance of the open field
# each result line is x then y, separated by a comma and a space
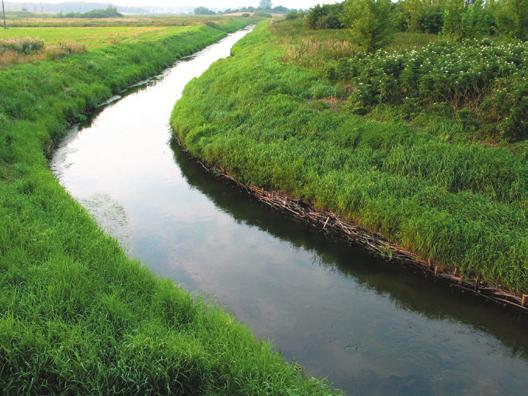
76, 315
65, 38
94, 37
54, 21
275, 118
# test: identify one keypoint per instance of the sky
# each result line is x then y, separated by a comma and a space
192, 3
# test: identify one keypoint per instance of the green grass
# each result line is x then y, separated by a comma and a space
273, 122
76, 315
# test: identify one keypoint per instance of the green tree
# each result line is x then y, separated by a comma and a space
422, 15
413, 11
203, 11
265, 4
453, 18
511, 17
476, 20
371, 22
431, 21
463, 20
326, 16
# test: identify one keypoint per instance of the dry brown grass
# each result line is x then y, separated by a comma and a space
51, 52
21, 45
314, 48
313, 52
311, 48
53, 21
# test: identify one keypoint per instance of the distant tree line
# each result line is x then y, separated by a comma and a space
376, 20
203, 11
265, 6
109, 12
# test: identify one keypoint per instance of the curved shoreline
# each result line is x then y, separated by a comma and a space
78, 314
334, 227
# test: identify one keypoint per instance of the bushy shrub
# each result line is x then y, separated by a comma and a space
511, 17
453, 17
486, 76
471, 20
292, 15
371, 22
506, 107
328, 16
432, 21
477, 21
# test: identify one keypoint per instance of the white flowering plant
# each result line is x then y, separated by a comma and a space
486, 77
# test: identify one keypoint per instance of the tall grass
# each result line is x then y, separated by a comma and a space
76, 315
270, 123
13, 54
318, 48
23, 46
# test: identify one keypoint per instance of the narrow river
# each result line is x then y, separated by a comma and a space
368, 326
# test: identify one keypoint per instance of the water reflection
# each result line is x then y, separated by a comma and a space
407, 290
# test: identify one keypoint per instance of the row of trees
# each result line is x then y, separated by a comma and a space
328, 16
264, 5
203, 11
374, 21
466, 18
108, 12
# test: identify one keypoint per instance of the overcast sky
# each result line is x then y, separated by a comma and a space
193, 3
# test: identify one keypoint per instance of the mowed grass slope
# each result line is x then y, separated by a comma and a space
279, 124
76, 315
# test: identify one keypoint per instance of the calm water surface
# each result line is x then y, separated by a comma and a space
368, 326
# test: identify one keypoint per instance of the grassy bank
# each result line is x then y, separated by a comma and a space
281, 114
30, 44
76, 315
95, 36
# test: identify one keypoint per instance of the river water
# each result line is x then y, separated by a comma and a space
366, 325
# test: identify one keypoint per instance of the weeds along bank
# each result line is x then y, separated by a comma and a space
76, 315
29, 44
281, 124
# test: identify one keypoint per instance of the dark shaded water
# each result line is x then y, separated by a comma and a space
368, 326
